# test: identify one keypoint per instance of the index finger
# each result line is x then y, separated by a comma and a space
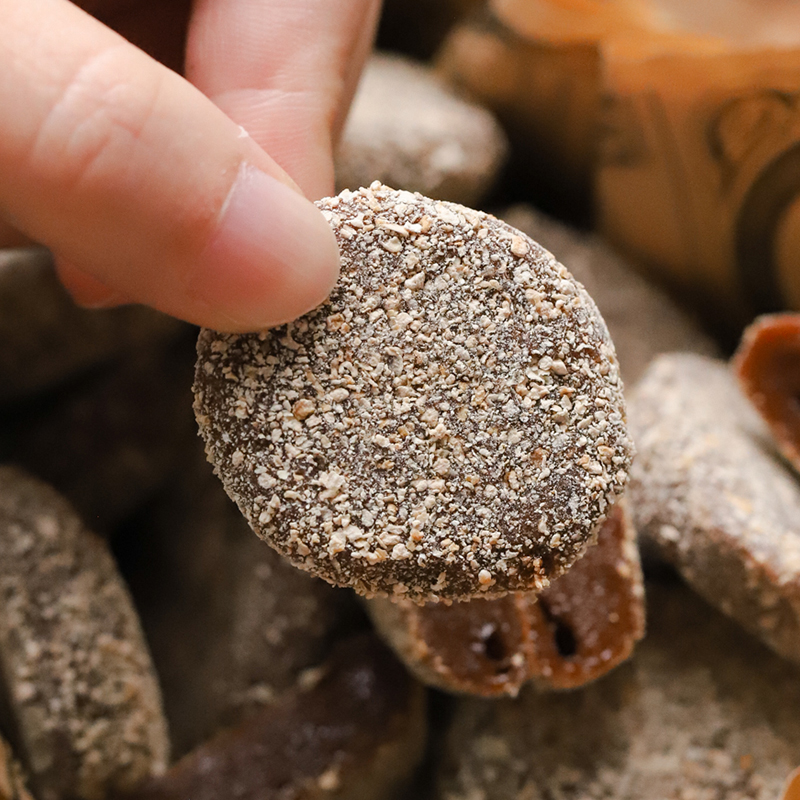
129, 173
285, 70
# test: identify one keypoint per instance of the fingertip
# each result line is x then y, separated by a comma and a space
272, 258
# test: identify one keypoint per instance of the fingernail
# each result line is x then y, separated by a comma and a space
272, 258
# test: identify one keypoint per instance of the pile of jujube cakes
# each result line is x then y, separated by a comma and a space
499, 520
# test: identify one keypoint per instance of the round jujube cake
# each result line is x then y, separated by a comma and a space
449, 423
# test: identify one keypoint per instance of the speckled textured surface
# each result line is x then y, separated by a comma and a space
701, 711
710, 492
449, 424
642, 319
584, 624
82, 691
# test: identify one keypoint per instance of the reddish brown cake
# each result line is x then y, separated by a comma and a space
449, 424
583, 625
767, 364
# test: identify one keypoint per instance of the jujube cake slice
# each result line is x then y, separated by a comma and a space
449, 424
48, 340
408, 128
767, 364
79, 692
702, 710
231, 624
589, 620
579, 628
357, 734
710, 496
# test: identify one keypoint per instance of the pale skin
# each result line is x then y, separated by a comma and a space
191, 195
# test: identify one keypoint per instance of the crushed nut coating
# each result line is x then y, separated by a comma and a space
449, 424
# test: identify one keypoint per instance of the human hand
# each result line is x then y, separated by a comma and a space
146, 185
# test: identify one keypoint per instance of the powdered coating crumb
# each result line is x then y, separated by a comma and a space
81, 687
449, 424
701, 712
709, 492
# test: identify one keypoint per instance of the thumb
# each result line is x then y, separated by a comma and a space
140, 184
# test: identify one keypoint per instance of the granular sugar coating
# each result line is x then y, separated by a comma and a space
449, 424
79, 689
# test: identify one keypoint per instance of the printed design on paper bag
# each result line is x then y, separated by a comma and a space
621, 139
736, 135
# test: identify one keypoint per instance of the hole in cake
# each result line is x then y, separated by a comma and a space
563, 636
494, 646
564, 639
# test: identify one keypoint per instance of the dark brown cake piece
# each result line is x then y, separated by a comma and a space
358, 734
588, 621
232, 625
709, 493
83, 698
450, 423
109, 442
45, 338
767, 364
579, 628
702, 710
